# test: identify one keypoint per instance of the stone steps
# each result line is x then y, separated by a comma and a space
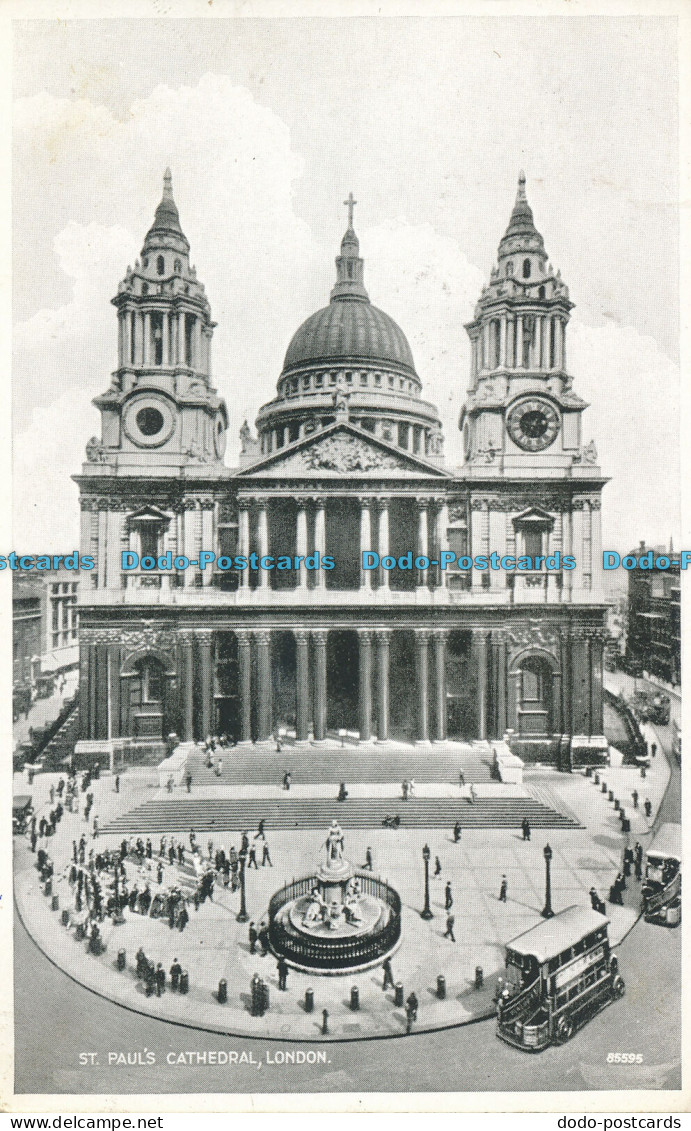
225, 814
364, 764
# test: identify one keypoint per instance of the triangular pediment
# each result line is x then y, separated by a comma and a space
343, 450
535, 516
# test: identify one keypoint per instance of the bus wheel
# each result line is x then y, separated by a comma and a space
564, 1029
618, 986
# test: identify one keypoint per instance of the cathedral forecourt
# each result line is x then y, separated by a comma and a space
348, 457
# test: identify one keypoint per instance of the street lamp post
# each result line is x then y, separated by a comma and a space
242, 913
426, 912
547, 911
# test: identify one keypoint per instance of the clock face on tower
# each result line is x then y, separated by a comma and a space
533, 424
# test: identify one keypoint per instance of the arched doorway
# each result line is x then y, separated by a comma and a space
342, 675
146, 715
534, 696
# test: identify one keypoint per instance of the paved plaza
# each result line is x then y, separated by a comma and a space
215, 946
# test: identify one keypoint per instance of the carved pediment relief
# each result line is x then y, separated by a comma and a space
342, 451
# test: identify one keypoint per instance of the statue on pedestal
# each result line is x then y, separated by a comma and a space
334, 845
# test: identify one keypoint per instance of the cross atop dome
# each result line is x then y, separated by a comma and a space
350, 205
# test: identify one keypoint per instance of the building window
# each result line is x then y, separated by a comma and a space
160, 265
319, 380
145, 288
377, 380
178, 266
148, 540
305, 382
541, 292
509, 267
526, 268
390, 381
363, 378
145, 261
532, 543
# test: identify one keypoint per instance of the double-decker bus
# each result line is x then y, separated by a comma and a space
559, 974
661, 894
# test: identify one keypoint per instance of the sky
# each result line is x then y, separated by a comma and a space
267, 125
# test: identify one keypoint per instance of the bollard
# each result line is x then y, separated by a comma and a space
65, 918
589, 771
354, 998
441, 987
309, 1001
626, 825
610, 795
54, 903
121, 960
398, 994
81, 932
603, 788
617, 805
596, 779
264, 996
48, 889
479, 978
325, 1021
184, 982
222, 995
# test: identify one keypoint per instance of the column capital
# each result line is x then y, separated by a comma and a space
383, 636
263, 636
423, 501
204, 636
186, 638
440, 635
301, 637
383, 502
365, 635
244, 502
243, 637
319, 636
422, 635
365, 501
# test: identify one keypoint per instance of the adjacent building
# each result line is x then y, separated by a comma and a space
654, 615
347, 457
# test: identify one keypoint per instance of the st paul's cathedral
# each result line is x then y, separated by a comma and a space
347, 457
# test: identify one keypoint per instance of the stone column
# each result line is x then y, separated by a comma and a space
486, 360
244, 540
263, 543
422, 540
442, 535
186, 686
165, 338
502, 342
500, 683
519, 342
365, 541
319, 708
302, 692
383, 541
480, 650
537, 343
85, 676
545, 342
114, 661
510, 334
146, 339
365, 684
439, 642
205, 651
181, 337
422, 679
264, 719
383, 641
301, 542
596, 715
244, 640
320, 539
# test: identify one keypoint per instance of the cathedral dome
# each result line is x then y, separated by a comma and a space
349, 330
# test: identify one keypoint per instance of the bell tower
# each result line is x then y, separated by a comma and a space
161, 410
521, 413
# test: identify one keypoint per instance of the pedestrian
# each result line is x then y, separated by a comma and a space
648, 806
183, 918
457, 832
404, 790
448, 933
411, 1012
369, 859
188, 781
266, 859
95, 827
253, 936
175, 972
282, 973
461, 779
287, 779
627, 861
634, 798
159, 873
594, 899
52, 794
411, 787
448, 897
525, 825
210, 848
437, 866
653, 749
503, 890
325, 1021
471, 794
219, 768
149, 849
263, 939
388, 974
643, 772
260, 829
160, 977
253, 857
117, 783
638, 868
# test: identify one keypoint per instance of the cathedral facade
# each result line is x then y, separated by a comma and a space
347, 457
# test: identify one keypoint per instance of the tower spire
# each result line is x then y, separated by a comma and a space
349, 266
